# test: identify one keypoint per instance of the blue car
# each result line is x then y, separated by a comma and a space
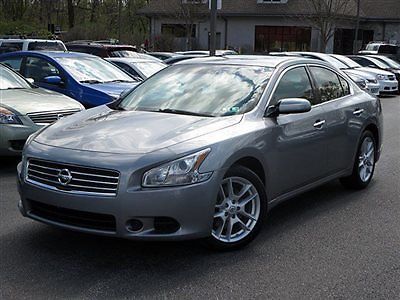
87, 78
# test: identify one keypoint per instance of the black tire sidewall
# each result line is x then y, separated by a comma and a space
240, 171
356, 174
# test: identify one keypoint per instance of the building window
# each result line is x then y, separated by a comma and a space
177, 30
282, 38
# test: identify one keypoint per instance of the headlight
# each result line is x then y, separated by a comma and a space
8, 117
182, 171
380, 77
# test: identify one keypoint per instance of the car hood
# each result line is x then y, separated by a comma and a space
375, 71
114, 89
360, 73
102, 129
32, 100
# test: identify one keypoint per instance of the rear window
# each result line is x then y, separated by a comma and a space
387, 49
10, 47
52, 46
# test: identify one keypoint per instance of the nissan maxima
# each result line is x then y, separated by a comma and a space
202, 150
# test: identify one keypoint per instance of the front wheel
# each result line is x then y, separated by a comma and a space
239, 211
364, 165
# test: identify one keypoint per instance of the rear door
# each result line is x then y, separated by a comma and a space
344, 113
298, 155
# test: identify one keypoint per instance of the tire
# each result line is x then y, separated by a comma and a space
240, 212
363, 161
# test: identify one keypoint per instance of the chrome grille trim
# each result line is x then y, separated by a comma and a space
85, 180
50, 116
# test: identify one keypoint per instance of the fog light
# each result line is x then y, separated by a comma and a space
134, 225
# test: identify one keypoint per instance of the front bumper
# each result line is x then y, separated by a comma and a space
388, 86
191, 207
13, 137
373, 88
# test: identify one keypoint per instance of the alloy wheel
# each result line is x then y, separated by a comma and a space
366, 159
237, 210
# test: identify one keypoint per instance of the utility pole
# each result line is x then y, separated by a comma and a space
213, 25
119, 20
355, 44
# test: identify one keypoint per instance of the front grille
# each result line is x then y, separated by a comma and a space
50, 116
72, 217
392, 77
76, 179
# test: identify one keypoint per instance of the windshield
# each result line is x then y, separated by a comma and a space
335, 62
93, 70
149, 68
124, 53
347, 61
372, 47
379, 63
52, 46
389, 61
11, 80
208, 90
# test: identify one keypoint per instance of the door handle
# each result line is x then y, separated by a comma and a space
358, 112
319, 124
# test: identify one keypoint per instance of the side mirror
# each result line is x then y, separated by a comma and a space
289, 106
55, 80
30, 80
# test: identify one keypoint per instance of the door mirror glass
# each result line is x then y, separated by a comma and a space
289, 106
55, 80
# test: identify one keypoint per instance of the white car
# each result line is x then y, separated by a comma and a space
11, 45
371, 82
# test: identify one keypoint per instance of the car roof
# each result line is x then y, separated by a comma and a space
30, 40
52, 54
250, 60
133, 60
98, 45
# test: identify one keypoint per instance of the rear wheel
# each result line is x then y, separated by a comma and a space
364, 165
239, 211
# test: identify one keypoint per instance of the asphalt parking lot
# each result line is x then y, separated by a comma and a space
328, 243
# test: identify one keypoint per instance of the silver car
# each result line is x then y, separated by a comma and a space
202, 149
25, 108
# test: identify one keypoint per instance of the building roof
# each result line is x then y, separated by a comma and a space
382, 9
370, 9
239, 8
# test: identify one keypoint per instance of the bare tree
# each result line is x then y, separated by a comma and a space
187, 12
325, 15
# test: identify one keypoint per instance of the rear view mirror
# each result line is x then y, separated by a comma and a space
55, 80
289, 106
30, 80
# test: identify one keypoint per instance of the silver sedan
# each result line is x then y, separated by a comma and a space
203, 149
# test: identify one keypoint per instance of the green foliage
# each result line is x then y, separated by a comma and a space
78, 19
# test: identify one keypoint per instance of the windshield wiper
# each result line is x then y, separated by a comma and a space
91, 81
15, 88
120, 80
183, 112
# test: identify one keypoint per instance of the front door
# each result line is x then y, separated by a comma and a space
298, 155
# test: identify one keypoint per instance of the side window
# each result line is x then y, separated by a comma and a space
362, 61
38, 68
126, 68
328, 84
14, 62
294, 84
345, 86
